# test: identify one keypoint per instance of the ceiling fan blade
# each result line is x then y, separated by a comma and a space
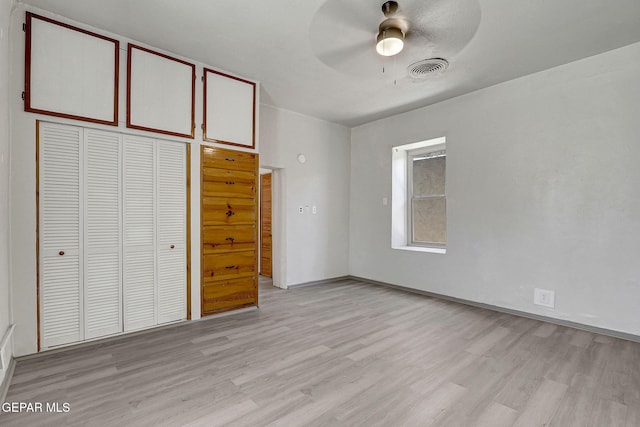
336, 42
340, 56
347, 15
444, 25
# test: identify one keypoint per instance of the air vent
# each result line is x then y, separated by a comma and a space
422, 69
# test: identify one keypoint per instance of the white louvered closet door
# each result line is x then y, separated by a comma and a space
60, 222
172, 260
139, 215
102, 234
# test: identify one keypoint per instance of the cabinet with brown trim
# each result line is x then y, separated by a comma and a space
229, 216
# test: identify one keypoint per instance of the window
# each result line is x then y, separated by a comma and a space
428, 208
419, 207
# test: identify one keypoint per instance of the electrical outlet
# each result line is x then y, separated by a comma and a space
314, 209
544, 297
300, 209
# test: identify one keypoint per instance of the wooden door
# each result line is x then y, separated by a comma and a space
265, 226
229, 233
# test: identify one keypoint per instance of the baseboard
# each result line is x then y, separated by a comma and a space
226, 313
7, 362
560, 322
318, 282
6, 347
6, 381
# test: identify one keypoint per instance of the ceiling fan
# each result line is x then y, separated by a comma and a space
353, 37
391, 31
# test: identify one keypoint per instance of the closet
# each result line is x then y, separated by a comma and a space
229, 215
111, 232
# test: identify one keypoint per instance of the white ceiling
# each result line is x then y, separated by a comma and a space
338, 77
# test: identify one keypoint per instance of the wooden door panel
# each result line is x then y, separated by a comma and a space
266, 261
228, 265
224, 294
228, 183
265, 265
216, 174
228, 189
228, 211
228, 239
228, 159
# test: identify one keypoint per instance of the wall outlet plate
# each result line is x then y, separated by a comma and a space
544, 297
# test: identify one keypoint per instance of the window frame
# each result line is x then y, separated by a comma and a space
411, 155
400, 226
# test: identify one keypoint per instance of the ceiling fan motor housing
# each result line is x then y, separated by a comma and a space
389, 8
391, 31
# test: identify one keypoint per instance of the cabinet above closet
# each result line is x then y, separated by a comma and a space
74, 73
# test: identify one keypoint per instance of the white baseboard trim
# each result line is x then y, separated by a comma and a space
6, 347
319, 282
7, 362
560, 322
6, 381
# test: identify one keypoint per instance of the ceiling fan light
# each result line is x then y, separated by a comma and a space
390, 41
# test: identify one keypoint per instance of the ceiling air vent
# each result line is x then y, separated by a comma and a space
422, 69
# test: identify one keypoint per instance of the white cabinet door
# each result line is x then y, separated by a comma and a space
102, 234
60, 221
112, 233
229, 109
172, 231
139, 215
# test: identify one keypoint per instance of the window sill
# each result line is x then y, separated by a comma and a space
421, 249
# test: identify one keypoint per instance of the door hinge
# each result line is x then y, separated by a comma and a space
202, 79
24, 27
202, 126
23, 96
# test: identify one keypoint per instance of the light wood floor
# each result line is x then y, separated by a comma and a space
342, 354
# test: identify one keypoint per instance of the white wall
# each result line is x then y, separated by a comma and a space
543, 179
5, 309
316, 245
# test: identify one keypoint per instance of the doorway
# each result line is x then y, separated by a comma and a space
266, 215
273, 245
